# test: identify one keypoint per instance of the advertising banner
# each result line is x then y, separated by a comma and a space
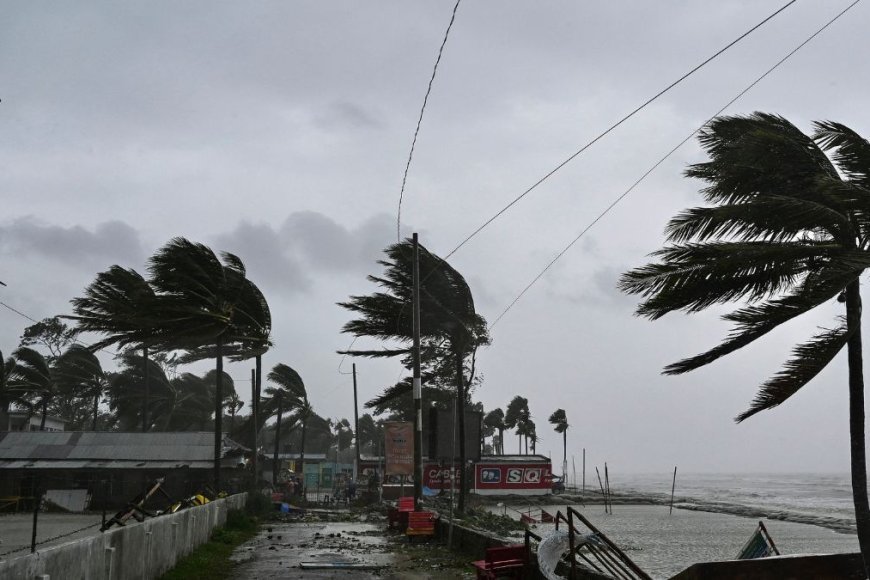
399, 447
518, 477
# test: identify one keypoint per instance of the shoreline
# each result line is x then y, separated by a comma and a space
834, 524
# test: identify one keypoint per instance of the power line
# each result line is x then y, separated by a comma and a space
614, 126
18, 312
420, 120
663, 159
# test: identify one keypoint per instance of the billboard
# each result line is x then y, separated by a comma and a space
442, 433
515, 477
399, 448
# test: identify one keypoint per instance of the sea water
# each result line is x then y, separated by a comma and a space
714, 515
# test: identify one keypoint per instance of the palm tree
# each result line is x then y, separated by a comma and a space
448, 322
79, 372
290, 394
516, 416
559, 420
121, 305
495, 420
788, 229
33, 374
10, 392
369, 433
199, 298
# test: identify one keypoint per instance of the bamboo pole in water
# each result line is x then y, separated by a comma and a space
673, 485
601, 485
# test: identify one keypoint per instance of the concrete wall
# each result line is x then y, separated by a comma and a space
137, 552
822, 567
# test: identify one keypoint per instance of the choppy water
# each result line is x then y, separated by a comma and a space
718, 515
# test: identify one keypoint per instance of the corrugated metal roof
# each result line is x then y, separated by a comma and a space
110, 446
67, 464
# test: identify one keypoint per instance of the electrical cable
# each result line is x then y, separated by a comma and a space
419, 121
667, 155
614, 126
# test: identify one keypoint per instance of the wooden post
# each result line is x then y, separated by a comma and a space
37, 499
673, 486
601, 485
607, 486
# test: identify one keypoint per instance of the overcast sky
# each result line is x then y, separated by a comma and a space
279, 131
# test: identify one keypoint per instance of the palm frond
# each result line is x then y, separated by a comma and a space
808, 361
755, 321
850, 151
692, 277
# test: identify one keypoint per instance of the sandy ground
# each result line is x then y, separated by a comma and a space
16, 529
308, 549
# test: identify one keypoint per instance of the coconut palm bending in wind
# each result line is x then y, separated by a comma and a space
787, 230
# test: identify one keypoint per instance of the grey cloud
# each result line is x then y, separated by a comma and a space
344, 115
267, 258
306, 242
109, 242
326, 245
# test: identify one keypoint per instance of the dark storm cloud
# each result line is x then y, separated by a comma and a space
107, 243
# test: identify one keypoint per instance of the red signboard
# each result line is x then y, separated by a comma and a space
514, 477
399, 447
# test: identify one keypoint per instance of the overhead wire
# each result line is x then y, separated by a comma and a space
615, 125
667, 156
420, 121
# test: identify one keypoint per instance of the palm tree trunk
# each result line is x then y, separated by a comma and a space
277, 442
218, 413
44, 414
302, 450
147, 391
255, 415
460, 395
96, 410
856, 421
500, 441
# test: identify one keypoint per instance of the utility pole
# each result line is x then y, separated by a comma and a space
254, 410
418, 386
355, 427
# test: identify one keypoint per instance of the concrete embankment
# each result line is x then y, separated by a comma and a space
139, 552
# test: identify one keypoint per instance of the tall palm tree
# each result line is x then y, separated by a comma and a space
10, 392
290, 395
79, 372
448, 322
121, 305
199, 295
559, 420
495, 420
788, 229
33, 374
516, 416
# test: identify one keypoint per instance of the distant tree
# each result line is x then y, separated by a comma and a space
516, 416
81, 380
50, 333
787, 230
11, 393
559, 420
288, 394
120, 304
33, 374
495, 421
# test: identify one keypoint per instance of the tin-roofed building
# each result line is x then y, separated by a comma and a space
114, 467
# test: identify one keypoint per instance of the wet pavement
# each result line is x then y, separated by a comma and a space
343, 550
